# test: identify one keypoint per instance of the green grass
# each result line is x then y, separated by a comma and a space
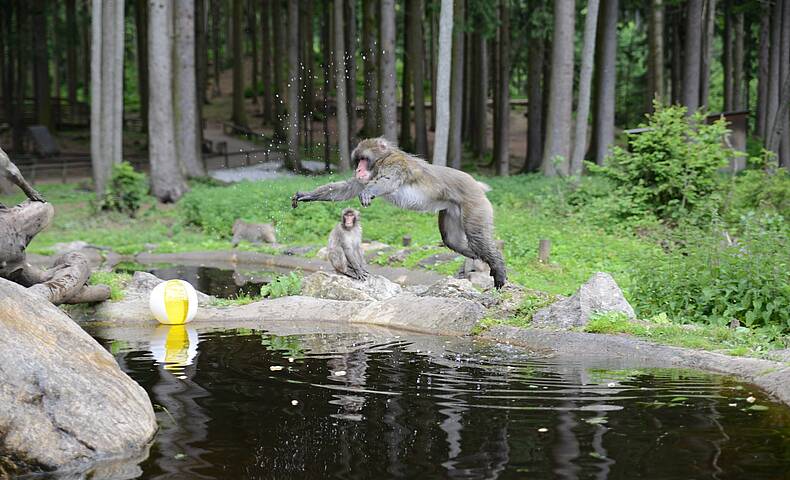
116, 282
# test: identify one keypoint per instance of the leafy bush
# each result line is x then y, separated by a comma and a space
126, 191
709, 280
763, 191
670, 170
283, 286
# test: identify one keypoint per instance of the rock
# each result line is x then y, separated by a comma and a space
450, 316
299, 251
253, 232
143, 282
599, 295
399, 256
458, 288
437, 259
780, 355
481, 280
339, 287
64, 401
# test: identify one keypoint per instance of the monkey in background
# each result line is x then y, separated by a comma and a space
466, 217
345, 246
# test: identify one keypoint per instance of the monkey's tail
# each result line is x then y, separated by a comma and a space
484, 186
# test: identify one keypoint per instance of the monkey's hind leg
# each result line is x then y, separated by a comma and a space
479, 229
453, 235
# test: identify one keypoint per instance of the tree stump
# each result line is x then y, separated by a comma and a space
66, 281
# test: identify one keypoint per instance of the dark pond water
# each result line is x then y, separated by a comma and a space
246, 404
219, 282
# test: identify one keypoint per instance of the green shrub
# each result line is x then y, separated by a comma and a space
706, 279
126, 190
283, 286
670, 170
764, 191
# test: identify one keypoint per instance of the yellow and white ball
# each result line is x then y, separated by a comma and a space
173, 302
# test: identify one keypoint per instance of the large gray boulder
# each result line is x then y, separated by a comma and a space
449, 316
458, 288
600, 294
64, 402
332, 286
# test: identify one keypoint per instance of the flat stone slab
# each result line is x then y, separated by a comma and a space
444, 316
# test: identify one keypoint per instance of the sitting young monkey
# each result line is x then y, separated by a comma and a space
345, 246
466, 217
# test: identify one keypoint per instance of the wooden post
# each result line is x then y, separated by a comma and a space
406, 240
544, 250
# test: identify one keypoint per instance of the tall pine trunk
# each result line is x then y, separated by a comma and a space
502, 112
351, 66
441, 99
416, 46
605, 80
216, 20
167, 181
292, 157
692, 54
709, 15
266, 62
479, 89
728, 58
344, 161
537, 54
455, 150
404, 139
252, 27
655, 57
326, 50
141, 22
763, 62
389, 105
72, 43
585, 83
738, 60
239, 115
41, 80
558, 129
278, 65
782, 129
187, 121
370, 62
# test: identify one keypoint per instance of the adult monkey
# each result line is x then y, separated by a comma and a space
466, 218
345, 246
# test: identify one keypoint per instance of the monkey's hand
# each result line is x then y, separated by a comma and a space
36, 197
365, 197
298, 196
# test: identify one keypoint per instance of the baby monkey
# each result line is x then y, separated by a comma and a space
345, 246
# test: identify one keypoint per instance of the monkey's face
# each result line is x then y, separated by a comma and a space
349, 218
366, 154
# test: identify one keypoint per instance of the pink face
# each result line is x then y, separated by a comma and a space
348, 220
363, 173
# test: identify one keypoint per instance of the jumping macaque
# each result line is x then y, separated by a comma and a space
345, 246
11, 173
466, 218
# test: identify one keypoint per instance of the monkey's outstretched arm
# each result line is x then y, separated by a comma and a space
11, 172
387, 181
331, 192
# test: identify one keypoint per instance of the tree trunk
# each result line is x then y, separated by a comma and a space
502, 139
738, 60
404, 139
308, 56
71, 50
167, 181
434, 63
187, 122
252, 26
326, 54
692, 53
369, 59
585, 82
537, 54
351, 67
41, 80
278, 65
344, 162
22, 57
727, 57
441, 100
763, 74
239, 116
558, 130
783, 115
106, 90
415, 47
457, 88
141, 22
677, 56
201, 57
292, 160
605, 80
709, 15
216, 20
479, 89
655, 57
389, 105
266, 62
